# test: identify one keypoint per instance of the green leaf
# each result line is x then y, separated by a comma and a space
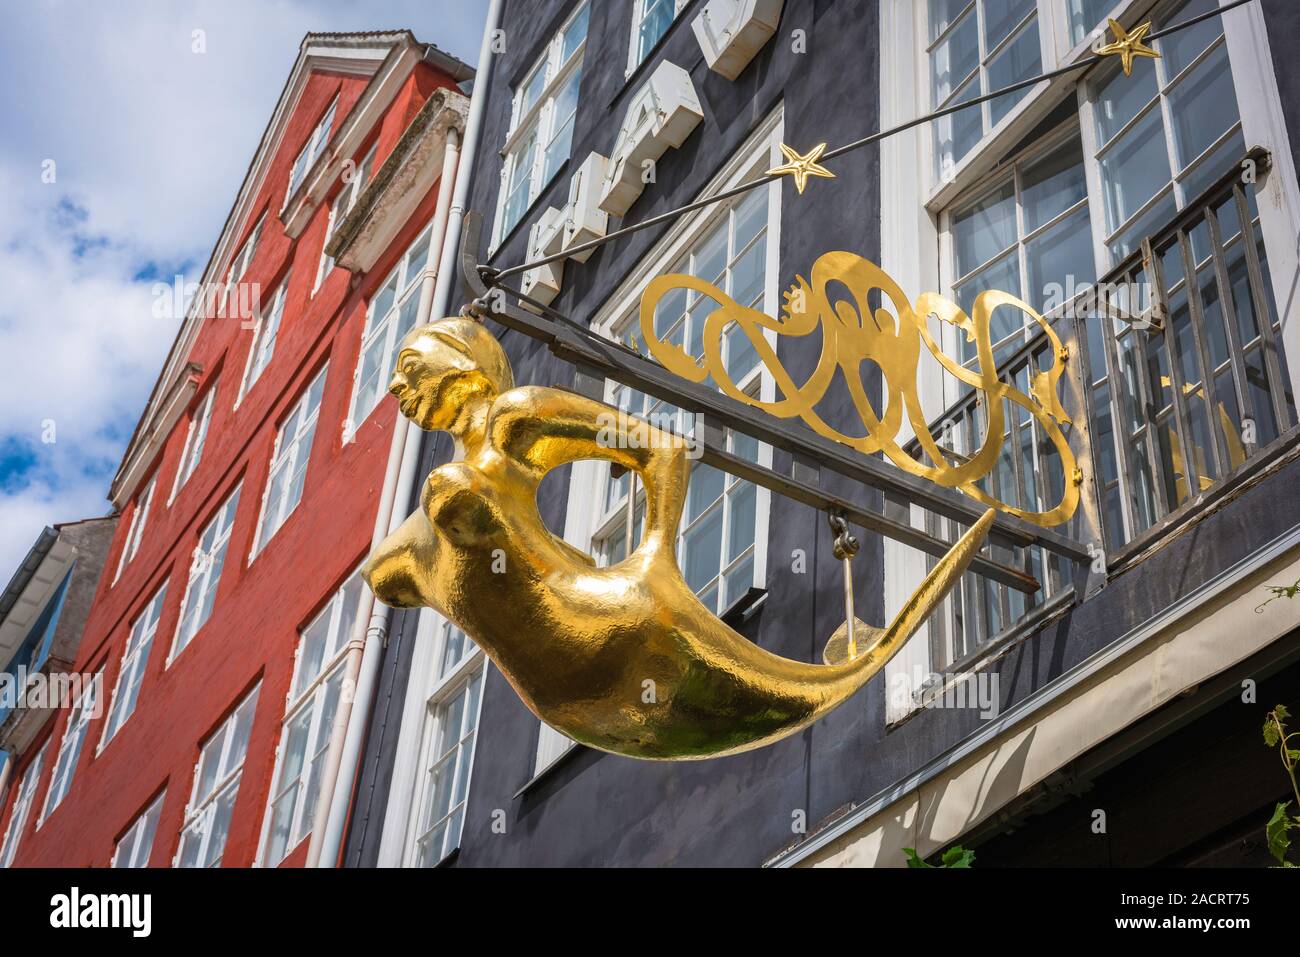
914, 859
1271, 733
1281, 712
1293, 754
958, 856
1275, 831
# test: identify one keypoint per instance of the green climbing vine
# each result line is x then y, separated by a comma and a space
956, 856
1282, 821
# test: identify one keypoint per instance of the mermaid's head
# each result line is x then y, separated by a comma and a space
445, 370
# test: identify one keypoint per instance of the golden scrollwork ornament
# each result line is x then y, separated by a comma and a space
852, 333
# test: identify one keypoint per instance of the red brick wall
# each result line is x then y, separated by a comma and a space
252, 633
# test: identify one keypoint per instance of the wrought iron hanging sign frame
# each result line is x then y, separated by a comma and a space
580, 643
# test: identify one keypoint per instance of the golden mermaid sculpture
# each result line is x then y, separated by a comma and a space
625, 658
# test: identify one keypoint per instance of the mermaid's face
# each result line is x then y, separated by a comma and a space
426, 379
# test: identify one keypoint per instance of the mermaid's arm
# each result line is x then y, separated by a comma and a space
393, 570
541, 429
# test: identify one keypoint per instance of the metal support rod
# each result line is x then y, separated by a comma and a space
577, 344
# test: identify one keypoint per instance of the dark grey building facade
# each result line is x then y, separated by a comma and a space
1010, 720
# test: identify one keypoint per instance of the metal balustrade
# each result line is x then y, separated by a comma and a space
1157, 439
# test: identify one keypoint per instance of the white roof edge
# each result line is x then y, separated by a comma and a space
357, 53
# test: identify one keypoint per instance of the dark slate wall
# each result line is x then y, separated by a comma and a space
734, 810
598, 809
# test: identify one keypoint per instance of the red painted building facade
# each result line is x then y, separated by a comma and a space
249, 495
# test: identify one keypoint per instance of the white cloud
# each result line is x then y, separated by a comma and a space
150, 143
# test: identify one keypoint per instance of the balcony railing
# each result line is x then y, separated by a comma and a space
1178, 391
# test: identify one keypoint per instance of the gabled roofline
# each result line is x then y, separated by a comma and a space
363, 53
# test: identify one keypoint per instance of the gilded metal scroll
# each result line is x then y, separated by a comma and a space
852, 333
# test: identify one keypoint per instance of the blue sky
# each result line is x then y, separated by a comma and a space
120, 153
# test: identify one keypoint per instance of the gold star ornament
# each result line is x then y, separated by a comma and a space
801, 167
1128, 45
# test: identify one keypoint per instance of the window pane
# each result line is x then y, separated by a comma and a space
1213, 166
1203, 106
1062, 253
1134, 169
520, 183
1003, 274
711, 257
1085, 15
702, 548
705, 487
953, 60
575, 34
384, 300
1053, 185
1120, 98
740, 536
1019, 60
1145, 225
956, 134
1181, 48
943, 13
566, 105
748, 273
532, 89
655, 21
983, 230
751, 216
1001, 17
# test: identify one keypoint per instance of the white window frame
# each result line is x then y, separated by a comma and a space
583, 526
243, 259
635, 55
438, 682
135, 659
200, 811
406, 279
911, 211
984, 57
1011, 171
538, 123
135, 530
551, 746
84, 710
339, 209
201, 567
291, 452
195, 438
1090, 87
266, 329
312, 149
310, 695
26, 798
137, 842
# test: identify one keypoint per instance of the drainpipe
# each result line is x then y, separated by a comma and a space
370, 635
403, 455
4, 780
